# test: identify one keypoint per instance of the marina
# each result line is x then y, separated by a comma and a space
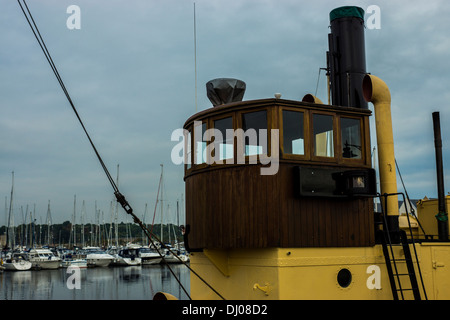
110, 283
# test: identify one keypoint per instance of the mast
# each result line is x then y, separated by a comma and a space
49, 222
110, 233
162, 206
96, 217
9, 232
83, 212
168, 223
26, 227
143, 221
74, 228
117, 213
178, 213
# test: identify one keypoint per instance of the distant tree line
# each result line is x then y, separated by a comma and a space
87, 235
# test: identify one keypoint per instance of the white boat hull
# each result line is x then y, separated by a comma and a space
149, 258
80, 263
46, 264
99, 262
21, 265
151, 261
170, 258
120, 261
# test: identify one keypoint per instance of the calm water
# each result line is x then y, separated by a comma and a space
111, 283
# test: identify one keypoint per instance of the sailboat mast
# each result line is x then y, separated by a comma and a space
162, 204
49, 222
74, 228
83, 211
8, 230
117, 213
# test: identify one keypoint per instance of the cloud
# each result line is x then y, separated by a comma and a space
130, 71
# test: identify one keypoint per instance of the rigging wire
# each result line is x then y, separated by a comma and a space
120, 198
413, 213
318, 78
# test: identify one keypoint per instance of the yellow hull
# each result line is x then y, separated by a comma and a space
312, 273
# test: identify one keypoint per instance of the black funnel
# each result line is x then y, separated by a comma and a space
347, 57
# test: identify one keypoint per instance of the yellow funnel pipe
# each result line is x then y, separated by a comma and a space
377, 92
311, 98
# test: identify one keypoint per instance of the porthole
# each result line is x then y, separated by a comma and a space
344, 278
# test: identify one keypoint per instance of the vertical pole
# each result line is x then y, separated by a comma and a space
442, 217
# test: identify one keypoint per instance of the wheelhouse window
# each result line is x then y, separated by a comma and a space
188, 149
223, 145
200, 143
323, 135
254, 125
293, 132
351, 138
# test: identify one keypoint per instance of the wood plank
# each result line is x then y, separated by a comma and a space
239, 209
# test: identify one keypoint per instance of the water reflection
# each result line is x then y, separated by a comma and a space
113, 283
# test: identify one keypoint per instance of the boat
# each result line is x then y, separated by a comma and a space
97, 257
79, 263
128, 256
174, 255
42, 258
149, 256
15, 262
73, 259
285, 211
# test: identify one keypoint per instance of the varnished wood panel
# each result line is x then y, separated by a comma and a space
238, 208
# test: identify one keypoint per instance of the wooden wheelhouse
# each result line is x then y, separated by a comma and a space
305, 180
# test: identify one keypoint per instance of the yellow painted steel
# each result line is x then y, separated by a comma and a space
289, 273
376, 91
312, 273
426, 211
164, 296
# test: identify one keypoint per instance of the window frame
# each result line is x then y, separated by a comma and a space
361, 136
188, 166
335, 157
306, 135
231, 115
194, 146
255, 159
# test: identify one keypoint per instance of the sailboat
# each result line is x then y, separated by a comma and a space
15, 262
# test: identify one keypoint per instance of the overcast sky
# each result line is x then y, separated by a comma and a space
130, 72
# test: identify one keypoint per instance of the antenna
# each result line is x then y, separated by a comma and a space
195, 59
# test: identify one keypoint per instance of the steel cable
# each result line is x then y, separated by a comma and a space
120, 198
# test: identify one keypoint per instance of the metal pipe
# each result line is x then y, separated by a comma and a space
312, 99
442, 217
376, 91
